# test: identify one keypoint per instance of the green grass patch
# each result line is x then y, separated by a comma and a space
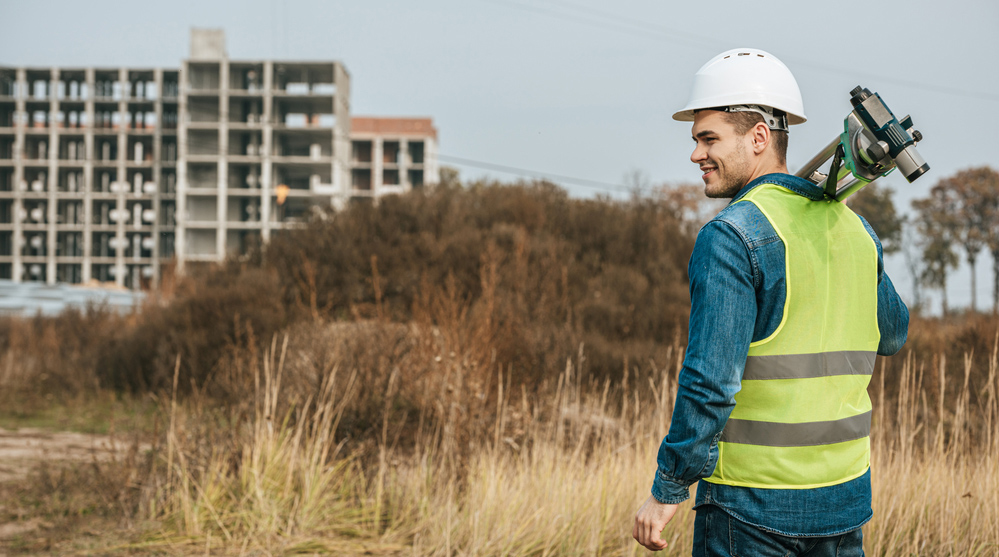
96, 413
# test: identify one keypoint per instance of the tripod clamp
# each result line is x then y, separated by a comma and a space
872, 145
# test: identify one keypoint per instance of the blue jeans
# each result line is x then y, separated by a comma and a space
716, 533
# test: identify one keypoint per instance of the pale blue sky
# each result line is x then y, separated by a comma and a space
579, 88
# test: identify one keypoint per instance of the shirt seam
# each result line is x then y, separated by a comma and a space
754, 265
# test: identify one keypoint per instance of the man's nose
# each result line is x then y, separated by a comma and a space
699, 154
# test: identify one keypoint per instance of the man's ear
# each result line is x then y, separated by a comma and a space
761, 137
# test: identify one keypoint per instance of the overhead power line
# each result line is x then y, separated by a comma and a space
610, 20
515, 170
601, 18
582, 182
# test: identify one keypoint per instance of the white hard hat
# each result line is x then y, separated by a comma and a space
745, 78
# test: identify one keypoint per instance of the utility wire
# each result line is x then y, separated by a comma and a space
581, 182
676, 35
508, 169
601, 18
619, 23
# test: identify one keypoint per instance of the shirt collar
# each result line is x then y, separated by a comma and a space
798, 185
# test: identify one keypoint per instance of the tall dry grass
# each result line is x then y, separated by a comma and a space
559, 474
462, 459
554, 474
936, 482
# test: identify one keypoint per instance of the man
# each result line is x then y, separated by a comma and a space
789, 303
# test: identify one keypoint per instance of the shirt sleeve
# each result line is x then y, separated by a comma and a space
893, 315
722, 318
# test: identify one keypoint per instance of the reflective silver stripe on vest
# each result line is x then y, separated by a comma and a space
776, 434
803, 366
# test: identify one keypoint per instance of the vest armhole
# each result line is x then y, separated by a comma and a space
878, 258
787, 286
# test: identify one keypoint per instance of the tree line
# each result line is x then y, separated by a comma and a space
958, 219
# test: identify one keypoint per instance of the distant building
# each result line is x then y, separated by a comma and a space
391, 155
115, 174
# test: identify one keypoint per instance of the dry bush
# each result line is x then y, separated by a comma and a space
941, 351
557, 271
538, 273
557, 473
377, 436
207, 315
43, 357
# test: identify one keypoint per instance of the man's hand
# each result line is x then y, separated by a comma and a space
650, 520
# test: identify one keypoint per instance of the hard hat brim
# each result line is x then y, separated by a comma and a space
744, 76
687, 115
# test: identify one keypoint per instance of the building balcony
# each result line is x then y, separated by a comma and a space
302, 160
203, 125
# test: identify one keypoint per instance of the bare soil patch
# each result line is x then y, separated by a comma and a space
24, 448
23, 451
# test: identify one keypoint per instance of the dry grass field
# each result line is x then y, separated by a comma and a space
511, 406
559, 472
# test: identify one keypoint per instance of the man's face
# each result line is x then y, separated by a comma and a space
721, 154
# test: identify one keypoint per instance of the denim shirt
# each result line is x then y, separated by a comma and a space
737, 293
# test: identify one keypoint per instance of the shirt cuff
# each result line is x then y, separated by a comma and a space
668, 491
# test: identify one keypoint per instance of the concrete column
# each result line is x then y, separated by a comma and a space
266, 170
341, 178
431, 174
377, 165
180, 222
88, 180
17, 268
222, 198
120, 238
157, 176
53, 176
404, 164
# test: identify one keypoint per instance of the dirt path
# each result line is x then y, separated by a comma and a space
23, 449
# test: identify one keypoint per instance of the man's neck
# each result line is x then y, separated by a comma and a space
771, 168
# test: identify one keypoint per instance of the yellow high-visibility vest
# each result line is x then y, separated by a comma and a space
803, 417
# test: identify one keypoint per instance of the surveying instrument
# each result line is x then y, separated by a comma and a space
872, 145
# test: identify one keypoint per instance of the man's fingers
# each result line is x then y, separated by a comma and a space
650, 520
657, 542
638, 532
646, 532
654, 541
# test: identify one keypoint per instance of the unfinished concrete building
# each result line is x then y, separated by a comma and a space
113, 174
88, 164
391, 155
261, 144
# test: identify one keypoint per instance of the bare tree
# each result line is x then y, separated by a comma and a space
876, 205
689, 203
913, 261
970, 193
985, 182
638, 183
936, 221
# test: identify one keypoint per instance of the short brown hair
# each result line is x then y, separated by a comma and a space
744, 121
